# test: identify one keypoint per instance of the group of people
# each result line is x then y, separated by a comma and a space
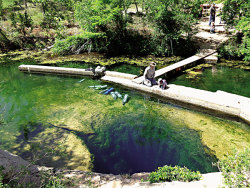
149, 77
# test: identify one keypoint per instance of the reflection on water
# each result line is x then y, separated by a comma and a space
236, 81
85, 129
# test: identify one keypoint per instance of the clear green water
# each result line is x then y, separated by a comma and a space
59, 122
235, 81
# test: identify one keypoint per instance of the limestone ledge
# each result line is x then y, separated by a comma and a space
13, 164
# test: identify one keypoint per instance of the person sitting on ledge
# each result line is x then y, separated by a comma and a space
149, 75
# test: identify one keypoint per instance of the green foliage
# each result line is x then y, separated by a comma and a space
244, 26
238, 47
170, 20
54, 180
21, 22
235, 169
236, 14
1, 7
77, 43
2, 184
54, 12
96, 15
169, 173
7, 3
234, 10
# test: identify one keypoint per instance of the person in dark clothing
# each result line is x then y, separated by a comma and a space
212, 14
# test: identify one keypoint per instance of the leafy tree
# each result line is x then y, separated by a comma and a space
107, 17
169, 19
1, 7
236, 14
22, 22
234, 10
54, 10
96, 15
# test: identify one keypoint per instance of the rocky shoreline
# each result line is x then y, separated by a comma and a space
14, 165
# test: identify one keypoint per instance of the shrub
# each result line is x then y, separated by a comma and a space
83, 42
235, 169
169, 173
236, 48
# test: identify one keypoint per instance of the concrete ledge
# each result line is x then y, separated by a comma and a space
120, 75
220, 102
54, 70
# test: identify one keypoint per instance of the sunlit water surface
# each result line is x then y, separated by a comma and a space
57, 121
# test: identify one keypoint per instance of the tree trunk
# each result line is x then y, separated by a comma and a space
125, 10
25, 4
4, 36
5, 42
136, 5
43, 7
171, 43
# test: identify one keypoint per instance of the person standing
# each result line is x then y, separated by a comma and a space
149, 75
212, 14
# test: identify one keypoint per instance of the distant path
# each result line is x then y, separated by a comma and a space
211, 41
207, 40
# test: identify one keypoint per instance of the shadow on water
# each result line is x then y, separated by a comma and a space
119, 147
128, 143
47, 150
141, 143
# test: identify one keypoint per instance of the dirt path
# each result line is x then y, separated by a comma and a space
207, 40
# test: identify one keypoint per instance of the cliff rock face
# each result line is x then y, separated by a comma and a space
17, 169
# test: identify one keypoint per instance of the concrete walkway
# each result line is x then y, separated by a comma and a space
219, 102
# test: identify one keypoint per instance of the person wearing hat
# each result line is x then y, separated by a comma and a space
149, 75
